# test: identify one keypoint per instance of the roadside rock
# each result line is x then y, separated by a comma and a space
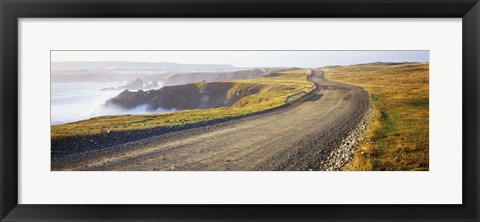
345, 152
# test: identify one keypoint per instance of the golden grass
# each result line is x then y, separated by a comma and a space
273, 90
397, 136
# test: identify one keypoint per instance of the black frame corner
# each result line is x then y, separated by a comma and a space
12, 10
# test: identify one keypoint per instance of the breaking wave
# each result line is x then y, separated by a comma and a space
72, 102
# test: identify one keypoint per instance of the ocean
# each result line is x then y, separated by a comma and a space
74, 101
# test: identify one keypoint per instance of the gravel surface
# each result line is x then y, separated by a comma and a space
319, 132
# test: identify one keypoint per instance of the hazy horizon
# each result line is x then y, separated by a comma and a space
244, 59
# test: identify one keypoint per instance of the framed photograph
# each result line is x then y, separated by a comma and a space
226, 110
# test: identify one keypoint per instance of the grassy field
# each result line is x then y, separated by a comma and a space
397, 136
273, 90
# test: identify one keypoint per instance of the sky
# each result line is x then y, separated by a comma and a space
245, 58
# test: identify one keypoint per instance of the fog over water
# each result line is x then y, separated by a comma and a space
74, 101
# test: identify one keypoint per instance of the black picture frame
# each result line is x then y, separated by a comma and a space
12, 10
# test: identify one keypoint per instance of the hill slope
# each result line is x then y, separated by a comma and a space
397, 137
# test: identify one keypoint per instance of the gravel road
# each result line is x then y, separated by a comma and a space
299, 137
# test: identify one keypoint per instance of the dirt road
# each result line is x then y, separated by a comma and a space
299, 137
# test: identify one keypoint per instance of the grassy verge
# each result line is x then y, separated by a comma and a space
397, 137
273, 90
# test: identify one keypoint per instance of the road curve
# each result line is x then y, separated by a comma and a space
299, 137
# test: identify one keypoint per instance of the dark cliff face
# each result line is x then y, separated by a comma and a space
181, 97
